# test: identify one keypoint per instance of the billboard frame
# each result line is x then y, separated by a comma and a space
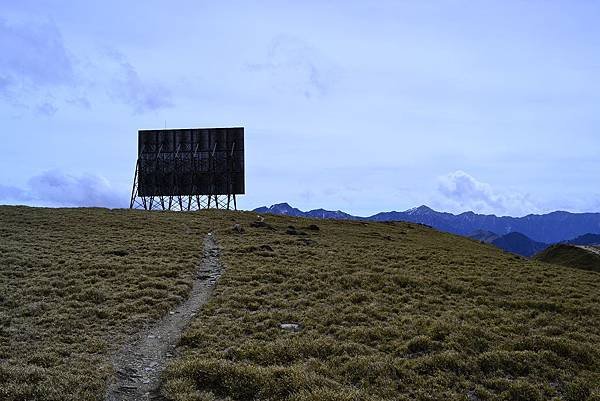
185, 176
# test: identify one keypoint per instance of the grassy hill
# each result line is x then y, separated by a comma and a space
75, 282
580, 257
386, 311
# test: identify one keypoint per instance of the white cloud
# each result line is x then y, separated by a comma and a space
38, 72
293, 65
34, 62
33, 54
126, 86
55, 188
46, 108
461, 191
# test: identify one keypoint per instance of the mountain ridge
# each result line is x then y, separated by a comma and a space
518, 243
585, 239
546, 228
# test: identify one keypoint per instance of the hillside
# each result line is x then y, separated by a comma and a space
519, 244
306, 310
578, 256
75, 282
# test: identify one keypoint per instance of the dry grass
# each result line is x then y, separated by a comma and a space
389, 311
74, 282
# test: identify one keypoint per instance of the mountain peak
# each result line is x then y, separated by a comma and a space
281, 205
280, 208
423, 209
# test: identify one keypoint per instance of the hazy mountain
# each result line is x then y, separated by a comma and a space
281, 208
287, 210
547, 228
328, 214
520, 244
483, 236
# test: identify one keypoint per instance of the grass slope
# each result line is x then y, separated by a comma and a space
389, 312
570, 256
74, 282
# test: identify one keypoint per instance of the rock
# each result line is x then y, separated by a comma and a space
292, 231
293, 327
313, 227
237, 228
262, 250
260, 219
261, 224
307, 241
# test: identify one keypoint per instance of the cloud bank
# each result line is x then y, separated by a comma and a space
38, 72
129, 88
32, 55
461, 191
55, 188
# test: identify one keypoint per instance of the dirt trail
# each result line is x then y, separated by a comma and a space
139, 364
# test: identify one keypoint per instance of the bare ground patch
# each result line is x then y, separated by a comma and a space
140, 362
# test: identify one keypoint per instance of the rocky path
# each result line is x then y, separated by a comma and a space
139, 364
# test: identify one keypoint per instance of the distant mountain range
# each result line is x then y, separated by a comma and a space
548, 228
287, 210
525, 236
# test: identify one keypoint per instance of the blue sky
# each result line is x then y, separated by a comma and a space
489, 106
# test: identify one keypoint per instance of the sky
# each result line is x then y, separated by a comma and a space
490, 106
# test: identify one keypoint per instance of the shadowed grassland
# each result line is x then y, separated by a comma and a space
388, 312
570, 256
74, 282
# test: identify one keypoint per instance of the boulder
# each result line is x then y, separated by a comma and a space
237, 228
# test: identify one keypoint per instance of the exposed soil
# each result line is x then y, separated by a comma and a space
138, 365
